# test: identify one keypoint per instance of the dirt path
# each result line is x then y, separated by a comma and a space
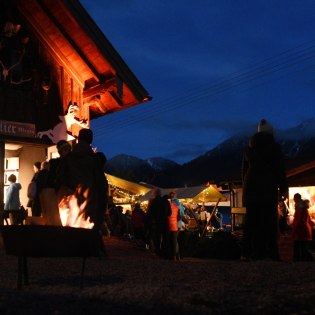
131, 280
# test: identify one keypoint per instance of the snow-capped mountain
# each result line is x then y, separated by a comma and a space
137, 170
223, 163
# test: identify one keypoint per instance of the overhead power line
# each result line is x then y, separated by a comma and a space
256, 71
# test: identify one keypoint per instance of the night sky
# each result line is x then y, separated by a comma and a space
213, 68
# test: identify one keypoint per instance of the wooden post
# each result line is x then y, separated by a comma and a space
2, 157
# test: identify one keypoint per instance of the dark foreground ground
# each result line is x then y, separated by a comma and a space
132, 280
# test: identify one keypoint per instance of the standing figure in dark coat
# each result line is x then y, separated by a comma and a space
138, 221
159, 210
264, 182
36, 168
80, 172
64, 148
41, 183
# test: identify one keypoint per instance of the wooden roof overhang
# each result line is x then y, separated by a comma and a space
74, 39
302, 175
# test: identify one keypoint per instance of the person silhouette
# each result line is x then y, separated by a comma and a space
12, 198
264, 182
302, 230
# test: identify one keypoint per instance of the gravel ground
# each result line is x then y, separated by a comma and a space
132, 280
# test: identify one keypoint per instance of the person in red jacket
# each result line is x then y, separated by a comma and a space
173, 229
138, 221
302, 229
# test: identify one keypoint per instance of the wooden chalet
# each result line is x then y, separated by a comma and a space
57, 72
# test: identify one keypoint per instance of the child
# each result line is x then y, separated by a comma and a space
301, 230
12, 200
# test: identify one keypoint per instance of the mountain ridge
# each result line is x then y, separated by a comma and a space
222, 163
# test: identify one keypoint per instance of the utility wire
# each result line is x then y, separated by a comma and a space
171, 105
187, 101
118, 131
219, 87
258, 70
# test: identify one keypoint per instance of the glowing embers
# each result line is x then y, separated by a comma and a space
72, 212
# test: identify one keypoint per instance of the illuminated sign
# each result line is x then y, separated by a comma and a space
17, 129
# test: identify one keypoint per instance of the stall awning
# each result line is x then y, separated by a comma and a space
210, 194
125, 185
197, 193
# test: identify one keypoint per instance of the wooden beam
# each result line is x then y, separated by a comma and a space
69, 39
100, 88
2, 157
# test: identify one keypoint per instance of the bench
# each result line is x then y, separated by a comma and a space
26, 241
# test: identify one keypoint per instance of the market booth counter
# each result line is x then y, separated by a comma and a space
237, 218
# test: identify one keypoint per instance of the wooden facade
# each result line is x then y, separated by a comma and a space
52, 54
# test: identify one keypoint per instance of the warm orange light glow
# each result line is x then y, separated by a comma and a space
71, 214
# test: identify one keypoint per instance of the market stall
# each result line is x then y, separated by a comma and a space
124, 192
192, 197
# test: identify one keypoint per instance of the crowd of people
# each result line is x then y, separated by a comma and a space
161, 226
78, 171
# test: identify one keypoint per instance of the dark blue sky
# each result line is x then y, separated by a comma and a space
213, 68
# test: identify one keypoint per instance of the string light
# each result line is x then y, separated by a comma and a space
125, 196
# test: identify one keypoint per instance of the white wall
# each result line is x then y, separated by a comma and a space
28, 154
